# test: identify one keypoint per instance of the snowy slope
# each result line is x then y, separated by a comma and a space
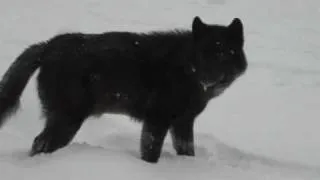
264, 127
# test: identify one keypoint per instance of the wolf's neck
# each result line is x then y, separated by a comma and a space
173, 45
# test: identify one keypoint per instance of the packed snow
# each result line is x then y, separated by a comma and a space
265, 126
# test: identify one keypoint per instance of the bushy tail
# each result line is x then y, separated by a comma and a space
16, 78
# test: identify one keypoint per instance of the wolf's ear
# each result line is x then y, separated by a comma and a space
198, 27
236, 30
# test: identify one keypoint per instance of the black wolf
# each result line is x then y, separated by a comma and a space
162, 79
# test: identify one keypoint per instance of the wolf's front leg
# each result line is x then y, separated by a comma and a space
152, 137
182, 137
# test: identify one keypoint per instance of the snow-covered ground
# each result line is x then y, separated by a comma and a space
264, 127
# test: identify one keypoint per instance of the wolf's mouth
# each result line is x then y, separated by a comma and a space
205, 85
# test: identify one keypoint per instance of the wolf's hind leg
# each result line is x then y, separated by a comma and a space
58, 132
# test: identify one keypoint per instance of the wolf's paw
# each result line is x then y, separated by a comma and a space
150, 158
42, 144
185, 149
188, 152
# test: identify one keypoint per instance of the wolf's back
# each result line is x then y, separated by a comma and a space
16, 78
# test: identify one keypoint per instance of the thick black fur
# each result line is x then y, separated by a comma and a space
162, 79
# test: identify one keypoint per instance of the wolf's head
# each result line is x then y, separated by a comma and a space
219, 51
